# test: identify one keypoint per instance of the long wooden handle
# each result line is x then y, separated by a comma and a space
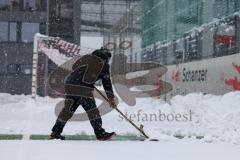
120, 112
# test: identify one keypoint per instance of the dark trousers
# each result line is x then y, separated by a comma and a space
71, 105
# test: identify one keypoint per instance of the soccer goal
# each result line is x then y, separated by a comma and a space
48, 54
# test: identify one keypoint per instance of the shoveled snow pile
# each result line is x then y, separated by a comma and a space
216, 118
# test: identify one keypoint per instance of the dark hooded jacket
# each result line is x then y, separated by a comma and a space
76, 78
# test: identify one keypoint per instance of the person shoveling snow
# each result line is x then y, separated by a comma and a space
84, 78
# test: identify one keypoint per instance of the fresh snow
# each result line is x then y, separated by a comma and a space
92, 150
217, 118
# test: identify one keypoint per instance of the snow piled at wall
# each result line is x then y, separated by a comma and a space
217, 118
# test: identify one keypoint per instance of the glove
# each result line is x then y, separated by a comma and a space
112, 103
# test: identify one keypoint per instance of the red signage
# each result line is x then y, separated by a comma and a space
224, 39
176, 75
234, 82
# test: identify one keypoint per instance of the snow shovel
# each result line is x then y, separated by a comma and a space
140, 129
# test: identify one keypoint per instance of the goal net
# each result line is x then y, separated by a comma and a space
49, 53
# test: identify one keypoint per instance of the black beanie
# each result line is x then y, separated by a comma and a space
102, 53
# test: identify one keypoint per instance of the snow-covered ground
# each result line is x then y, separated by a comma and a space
217, 118
78, 150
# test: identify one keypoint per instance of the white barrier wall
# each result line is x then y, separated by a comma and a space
213, 76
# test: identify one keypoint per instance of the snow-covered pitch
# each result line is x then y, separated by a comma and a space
214, 118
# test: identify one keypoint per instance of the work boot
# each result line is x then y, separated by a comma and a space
56, 136
105, 136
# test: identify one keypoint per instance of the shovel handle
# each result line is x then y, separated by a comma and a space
140, 129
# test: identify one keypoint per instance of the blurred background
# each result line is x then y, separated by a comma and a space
170, 32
